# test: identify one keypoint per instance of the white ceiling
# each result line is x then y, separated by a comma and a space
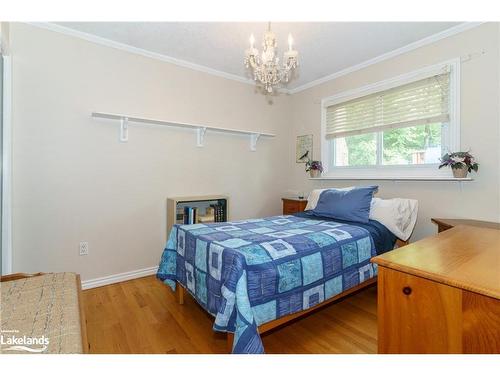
324, 48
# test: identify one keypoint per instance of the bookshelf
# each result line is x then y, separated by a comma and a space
200, 209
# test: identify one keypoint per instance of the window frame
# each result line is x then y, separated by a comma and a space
450, 131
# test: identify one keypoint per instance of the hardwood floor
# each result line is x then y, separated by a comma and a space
142, 316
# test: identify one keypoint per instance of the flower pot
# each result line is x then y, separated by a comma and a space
314, 173
460, 172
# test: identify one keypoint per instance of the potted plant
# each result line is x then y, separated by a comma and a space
460, 162
314, 167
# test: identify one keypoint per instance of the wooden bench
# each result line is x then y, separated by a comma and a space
49, 305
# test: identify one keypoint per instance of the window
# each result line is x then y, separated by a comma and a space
395, 127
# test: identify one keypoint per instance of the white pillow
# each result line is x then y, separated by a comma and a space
312, 199
398, 215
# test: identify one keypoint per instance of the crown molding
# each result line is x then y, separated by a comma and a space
201, 68
139, 51
386, 56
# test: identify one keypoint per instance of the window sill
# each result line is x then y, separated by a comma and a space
407, 178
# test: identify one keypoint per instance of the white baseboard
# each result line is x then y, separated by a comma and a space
111, 279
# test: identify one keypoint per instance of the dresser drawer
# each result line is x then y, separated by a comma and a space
416, 315
441, 294
291, 206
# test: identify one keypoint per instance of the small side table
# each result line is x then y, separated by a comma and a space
293, 205
445, 224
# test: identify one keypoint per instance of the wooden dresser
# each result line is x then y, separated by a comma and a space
441, 294
293, 205
445, 224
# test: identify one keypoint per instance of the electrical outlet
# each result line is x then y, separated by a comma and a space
84, 248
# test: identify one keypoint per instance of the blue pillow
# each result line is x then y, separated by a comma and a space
350, 205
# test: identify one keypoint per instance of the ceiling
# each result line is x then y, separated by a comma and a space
324, 48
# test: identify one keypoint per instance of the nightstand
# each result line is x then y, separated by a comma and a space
445, 224
293, 205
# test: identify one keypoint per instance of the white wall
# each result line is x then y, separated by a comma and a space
479, 199
74, 181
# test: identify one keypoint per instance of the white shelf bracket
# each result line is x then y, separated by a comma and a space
200, 137
124, 129
253, 141
126, 120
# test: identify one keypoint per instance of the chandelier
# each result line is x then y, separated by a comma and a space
266, 66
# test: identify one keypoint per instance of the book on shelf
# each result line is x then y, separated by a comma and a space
215, 212
196, 210
219, 213
214, 207
179, 216
190, 215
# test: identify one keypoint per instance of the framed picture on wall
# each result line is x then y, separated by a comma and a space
304, 148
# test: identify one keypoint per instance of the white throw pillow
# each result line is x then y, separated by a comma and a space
312, 199
397, 214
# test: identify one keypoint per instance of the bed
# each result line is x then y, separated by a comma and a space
254, 275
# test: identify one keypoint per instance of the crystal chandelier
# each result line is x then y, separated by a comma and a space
266, 67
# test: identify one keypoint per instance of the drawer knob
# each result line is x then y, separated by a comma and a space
407, 290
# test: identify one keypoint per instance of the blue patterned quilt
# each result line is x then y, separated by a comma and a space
246, 273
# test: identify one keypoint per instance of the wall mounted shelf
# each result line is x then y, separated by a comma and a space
126, 120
